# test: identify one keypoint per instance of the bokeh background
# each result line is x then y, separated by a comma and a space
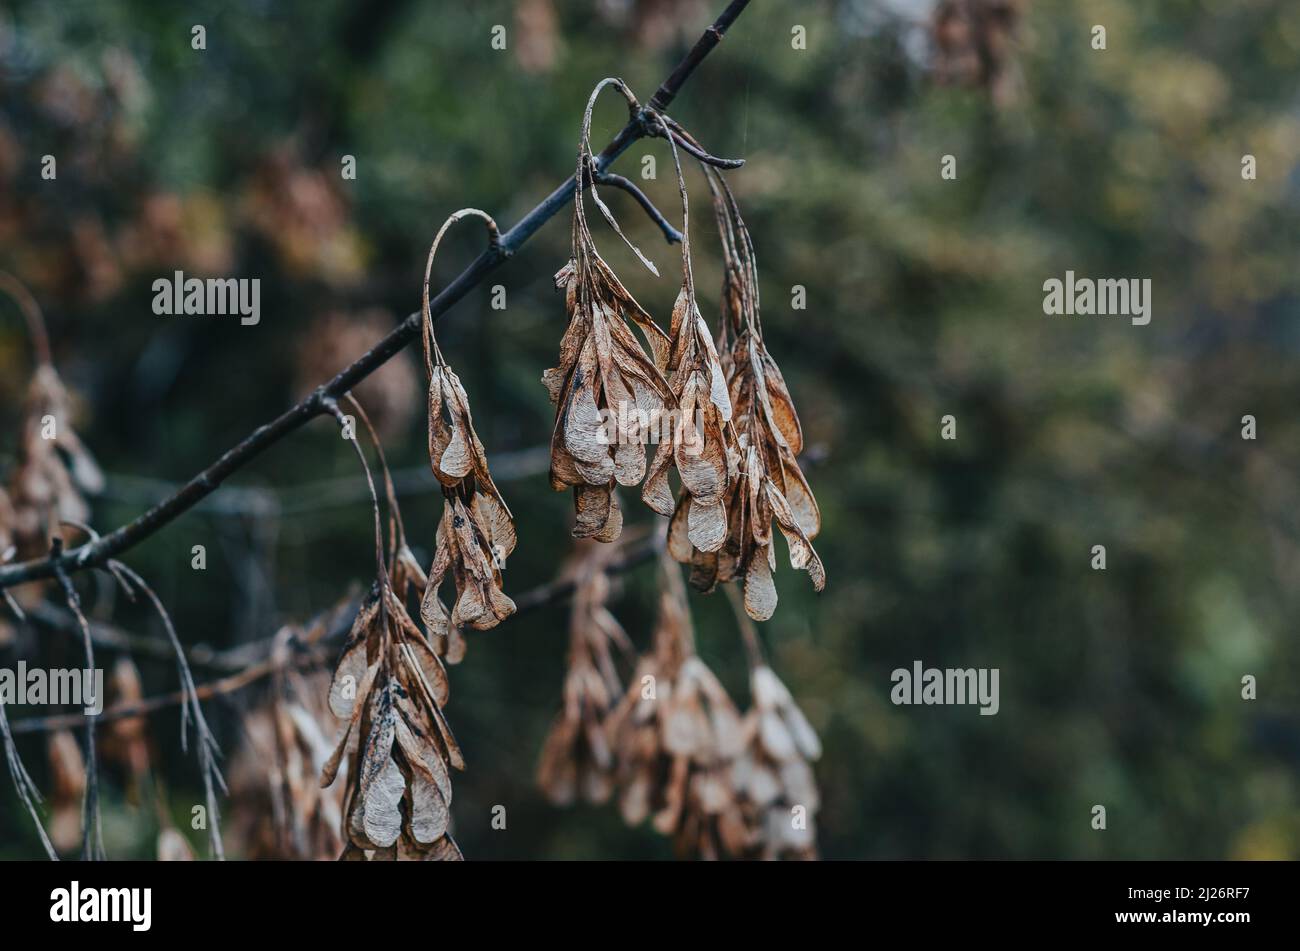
924, 298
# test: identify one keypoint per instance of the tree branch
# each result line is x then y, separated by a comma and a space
321, 632
119, 540
666, 93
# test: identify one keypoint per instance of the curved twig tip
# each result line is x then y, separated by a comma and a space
31, 313
494, 245
671, 234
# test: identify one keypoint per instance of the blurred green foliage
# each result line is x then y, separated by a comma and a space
1119, 687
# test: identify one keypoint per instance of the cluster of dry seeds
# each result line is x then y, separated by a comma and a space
734, 434
390, 685
974, 44
389, 689
476, 533
720, 783
676, 734
768, 439
678, 749
772, 774
576, 760
282, 811
604, 373
699, 444
53, 469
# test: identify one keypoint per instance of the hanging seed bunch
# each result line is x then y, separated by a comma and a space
576, 759
172, 847
974, 44
52, 473
605, 386
275, 780
390, 687
677, 733
68, 787
476, 533
278, 807
769, 484
701, 445
53, 468
772, 773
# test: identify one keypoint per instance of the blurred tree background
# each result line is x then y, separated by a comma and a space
924, 298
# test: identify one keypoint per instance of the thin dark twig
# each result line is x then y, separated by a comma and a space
50, 616
342, 420
671, 234
92, 843
588, 172
634, 555
494, 241
31, 313
695, 150
208, 750
330, 626
137, 708
321, 494
666, 93
28, 794
316, 403
687, 142
748, 629
396, 529
317, 494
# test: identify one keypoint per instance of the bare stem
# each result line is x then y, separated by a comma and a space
208, 750
31, 313
671, 234
748, 629
333, 628
28, 794
92, 843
